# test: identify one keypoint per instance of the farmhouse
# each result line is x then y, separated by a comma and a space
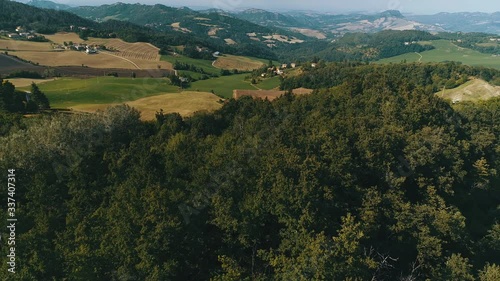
13, 35
90, 51
293, 65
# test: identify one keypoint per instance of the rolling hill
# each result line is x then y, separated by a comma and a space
13, 14
210, 25
329, 25
44, 4
448, 51
462, 22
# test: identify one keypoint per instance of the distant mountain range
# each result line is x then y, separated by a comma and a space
463, 22
312, 24
44, 4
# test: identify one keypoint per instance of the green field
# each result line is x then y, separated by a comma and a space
67, 92
223, 86
205, 64
447, 51
269, 84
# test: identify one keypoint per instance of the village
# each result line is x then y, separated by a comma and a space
22, 34
19, 34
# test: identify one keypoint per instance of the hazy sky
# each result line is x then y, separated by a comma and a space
335, 6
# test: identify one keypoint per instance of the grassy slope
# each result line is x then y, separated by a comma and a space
184, 103
474, 90
238, 62
447, 51
67, 92
269, 84
224, 85
205, 64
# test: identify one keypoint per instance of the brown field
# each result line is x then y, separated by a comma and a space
236, 62
17, 45
185, 103
101, 60
213, 31
62, 37
121, 55
310, 33
268, 94
143, 51
24, 82
230, 41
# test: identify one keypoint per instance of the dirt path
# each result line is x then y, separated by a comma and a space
133, 63
421, 57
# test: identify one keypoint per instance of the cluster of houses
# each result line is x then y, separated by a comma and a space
410, 43
82, 47
20, 33
279, 70
495, 39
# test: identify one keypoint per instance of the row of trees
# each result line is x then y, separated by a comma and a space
376, 179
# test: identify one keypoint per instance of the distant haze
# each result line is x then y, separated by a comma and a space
405, 6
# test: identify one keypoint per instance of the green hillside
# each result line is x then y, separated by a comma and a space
447, 51
67, 92
13, 14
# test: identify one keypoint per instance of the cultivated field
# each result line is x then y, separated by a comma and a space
237, 62
62, 37
474, 90
205, 64
141, 51
223, 86
70, 92
121, 55
100, 60
268, 94
310, 33
17, 45
184, 103
269, 84
9, 64
26, 82
447, 51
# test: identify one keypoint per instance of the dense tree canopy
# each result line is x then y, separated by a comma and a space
375, 179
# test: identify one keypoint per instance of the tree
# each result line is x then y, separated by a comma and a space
39, 97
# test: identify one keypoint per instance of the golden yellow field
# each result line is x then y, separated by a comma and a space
24, 82
236, 62
100, 60
474, 90
184, 103
143, 51
62, 37
121, 54
8, 44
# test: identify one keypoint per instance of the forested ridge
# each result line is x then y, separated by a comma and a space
368, 178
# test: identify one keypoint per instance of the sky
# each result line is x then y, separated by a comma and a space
332, 6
